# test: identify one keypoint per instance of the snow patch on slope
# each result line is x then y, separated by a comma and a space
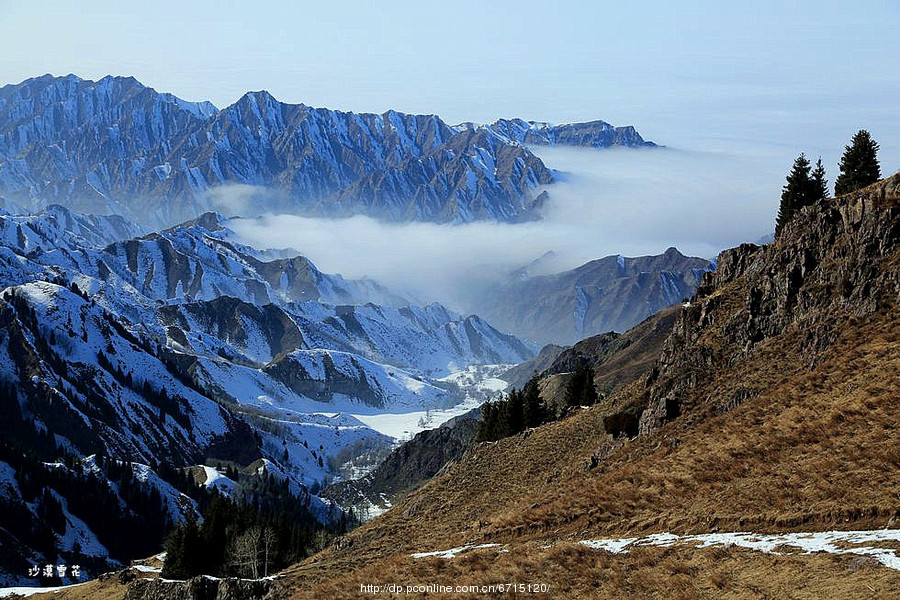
831, 542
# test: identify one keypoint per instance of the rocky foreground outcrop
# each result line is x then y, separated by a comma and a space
204, 588
829, 259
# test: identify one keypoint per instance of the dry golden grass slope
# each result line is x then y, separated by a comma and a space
774, 406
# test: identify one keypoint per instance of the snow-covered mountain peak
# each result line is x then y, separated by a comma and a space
117, 145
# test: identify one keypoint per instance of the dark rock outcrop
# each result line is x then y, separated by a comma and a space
836, 257
618, 359
519, 375
408, 466
204, 588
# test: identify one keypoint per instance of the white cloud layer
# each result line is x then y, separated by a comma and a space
630, 202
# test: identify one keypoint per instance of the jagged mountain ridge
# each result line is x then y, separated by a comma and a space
592, 134
609, 294
56, 226
191, 287
232, 319
113, 143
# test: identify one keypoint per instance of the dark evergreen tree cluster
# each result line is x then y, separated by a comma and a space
130, 518
859, 164
804, 187
264, 530
580, 390
520, 410
523, 409
47, 475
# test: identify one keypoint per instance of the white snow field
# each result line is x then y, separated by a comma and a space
865, 543
30, 591
453, 552
479, 383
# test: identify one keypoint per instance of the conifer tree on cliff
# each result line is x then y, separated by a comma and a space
534, 410
859, 164
796, 193
819, 183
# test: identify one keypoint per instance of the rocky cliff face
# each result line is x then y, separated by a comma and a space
204, 588
115, 145
834, 258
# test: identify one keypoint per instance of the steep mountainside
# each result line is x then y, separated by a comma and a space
124, 360
407, 467
618, 361
771, 407
116, 145
519, 375
610, 294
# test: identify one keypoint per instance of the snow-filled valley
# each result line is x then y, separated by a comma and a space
477, 384
184, 349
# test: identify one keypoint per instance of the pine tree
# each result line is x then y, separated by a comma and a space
183, 558
859, 164
819, 183
489, 429
515, 412
534, 411
796, 193
580, 390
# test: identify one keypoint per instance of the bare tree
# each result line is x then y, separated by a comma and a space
245, 553
269, 540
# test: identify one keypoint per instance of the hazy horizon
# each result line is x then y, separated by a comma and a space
735, 93
648, 64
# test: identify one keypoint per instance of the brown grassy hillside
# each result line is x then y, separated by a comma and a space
773, 406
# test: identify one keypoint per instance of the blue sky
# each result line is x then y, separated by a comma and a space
738, 89
763, 71
559, 60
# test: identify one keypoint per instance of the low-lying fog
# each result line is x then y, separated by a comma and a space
617, 201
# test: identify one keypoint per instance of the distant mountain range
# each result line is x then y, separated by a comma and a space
115, 145
613, 293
